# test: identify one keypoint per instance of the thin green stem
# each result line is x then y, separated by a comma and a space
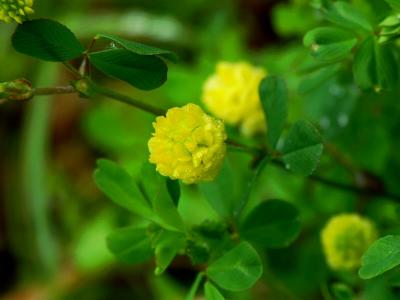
345, 187
126, 99
234, 145
74, 71
54, 90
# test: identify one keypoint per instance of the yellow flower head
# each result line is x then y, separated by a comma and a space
345, 238
232, 95
188, 144
15, 10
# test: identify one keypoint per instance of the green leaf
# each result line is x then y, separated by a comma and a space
223, 192
364, 65
139, 48
383, 255
315, 80
211, 292
154, 187
346, 15
238, 269
329, 44
174, 190
395, 4
302, 149
47, 40
375, 66
120, 187
141, 71
195, 286
272, 223
130, 245
274, 100
167, 246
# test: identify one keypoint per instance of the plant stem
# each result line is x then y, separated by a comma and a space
54, 90
233, 144
126, 99
345, 187
243, 148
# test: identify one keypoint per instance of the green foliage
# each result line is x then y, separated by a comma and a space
302, 149
375, 66
141, 71
154, 189
274, 98
272, 224
130, 245
348, 87
139, 48
330, 44
346, 15
166, 247
395, 4
211, 292
237, 269
120, 187
47, 40
223, 194
382, 255
174, 190
195, 286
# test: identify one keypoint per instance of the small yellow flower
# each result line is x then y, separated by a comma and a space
345, 238
188, 144
15, 10
232, 95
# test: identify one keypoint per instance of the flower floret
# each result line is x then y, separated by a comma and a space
345, 238
188, 144
15, 10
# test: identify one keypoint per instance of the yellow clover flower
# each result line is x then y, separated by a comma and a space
188, 144
15, 10
231, 94
345, 238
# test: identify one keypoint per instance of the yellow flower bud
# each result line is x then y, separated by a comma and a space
345, 238
188, 144
15, 10
231, 94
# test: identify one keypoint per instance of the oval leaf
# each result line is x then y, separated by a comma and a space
139, 48
346, 15
237, 269
330, 44
211, 292
274, 98
47, 40
273, 224
131, 245
141, 71
120, 187
223, 193
155, 189
375, 66
383, 255
302, 149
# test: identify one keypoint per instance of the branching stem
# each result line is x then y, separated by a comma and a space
257, 152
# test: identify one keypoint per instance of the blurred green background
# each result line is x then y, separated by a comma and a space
53, 220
